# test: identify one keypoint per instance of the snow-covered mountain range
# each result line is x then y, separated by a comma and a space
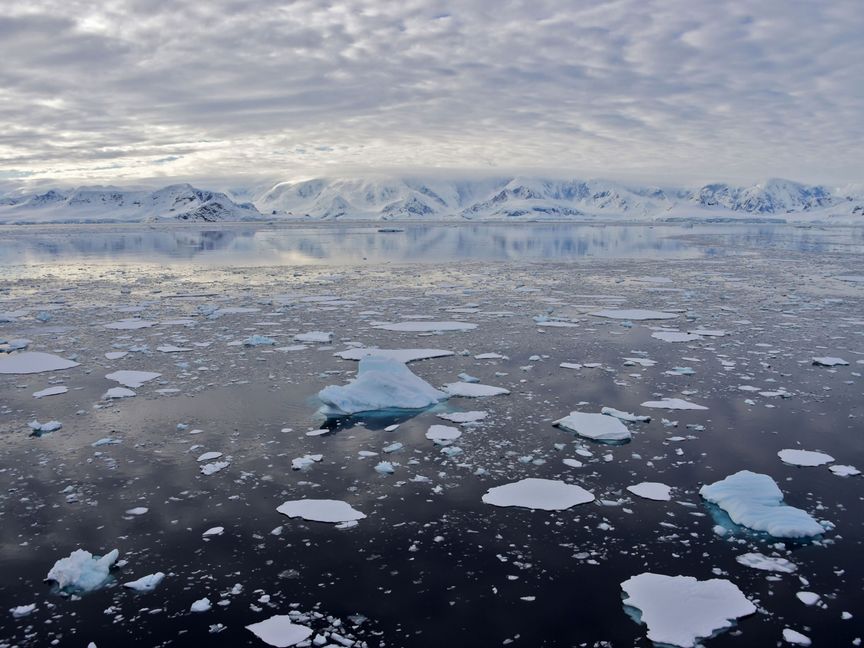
377, 197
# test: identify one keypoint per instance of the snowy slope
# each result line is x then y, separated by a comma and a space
394, 197
181, 202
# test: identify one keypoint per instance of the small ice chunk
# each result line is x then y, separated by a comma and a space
652, 491
680, 610
320, 510
208, 456
675, 336
464, 417
130, 324
625, 416
314, 336
201, 605
804, 457
259, 340
213, 531
305, 461
31, 362
844, 471
381, 383
384, 468
633, 314
766, 563
795, 638
754, 500
425, 326
132, 379
402, 355
44, 428
829, 361
138, 510
279, 631
673, 404
115, 393
443, 433
116, 355
808, 598
50, 391
212, 468
172, 348
597, 427
146, 583
82, 571
473, 390
542, 494
22, 610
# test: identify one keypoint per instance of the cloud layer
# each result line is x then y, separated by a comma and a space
137, 88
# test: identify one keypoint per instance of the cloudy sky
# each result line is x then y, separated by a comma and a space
127, 89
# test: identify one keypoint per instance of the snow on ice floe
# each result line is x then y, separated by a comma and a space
633, 314
597, 427
829, 361
680, 610
51, 391
675, 336
804, 457
381, 384
766, 563
542, 494
30, 362
82, 571
474, 390
443, 433
321, 510
131, 324
421, 326
280, 631
673, 404
401, 355
146, 583
324, 337
132, 379
652, 490
473, 416
754, 500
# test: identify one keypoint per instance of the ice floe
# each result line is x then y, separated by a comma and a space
542, 494
804, 457
50, 391
443, 433
753, 500
673, 404
474, 390
638, 314
118, 392
214, 467
132, 379
652, 491
401, 355
280, 631
598, 427
680, 610
82, 571
381, 384
625, 416
829, 361
321, 510
473, 416
30, 362
675, 336
322, 337
201, 605
145, 583
766, 563
425, 326
131, 324
795, 638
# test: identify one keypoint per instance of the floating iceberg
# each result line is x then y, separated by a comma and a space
279, 631
542, 494
82, 571
146, 583
31, 362
804, 457
381, 384
321, 510
754, 500
680, 610
597, 427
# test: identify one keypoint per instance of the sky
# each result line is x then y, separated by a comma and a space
119, 90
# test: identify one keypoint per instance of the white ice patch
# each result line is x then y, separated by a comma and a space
598, 427
625, 416
673, 404
320, 510
844, 471
754, 500
131, 324
652, 491
464, 417
118, 392
132, 379
474, 390
804, 457
675, 336
401, 355
638, 314
766, 563
50, 391
208, 456
201, 605
829, 361
146, 583
542, 494
322, 337
443, 433
425, 327
22, 610
279, 631
795, 638
30, 362
680, 610
212, 468
381, 384
172, 348
82, 571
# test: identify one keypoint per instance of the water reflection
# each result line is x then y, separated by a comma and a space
335, 244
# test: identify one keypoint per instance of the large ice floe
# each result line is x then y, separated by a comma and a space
321, 510
680, 610
673, 404
381, 384
804, 457
132, 379
597, 427
401, 355
82, 571
280, 631
474, 390
633, 314
754, 500
30, 362
542, 494
424, 326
